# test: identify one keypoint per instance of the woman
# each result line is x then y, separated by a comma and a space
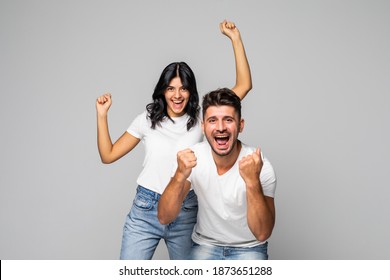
169, 124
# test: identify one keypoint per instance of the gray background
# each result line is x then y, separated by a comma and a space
319, 109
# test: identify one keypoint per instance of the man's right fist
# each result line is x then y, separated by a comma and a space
186, 160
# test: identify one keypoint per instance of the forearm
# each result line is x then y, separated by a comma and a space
260, 212
170, 202
243, 74
103, 139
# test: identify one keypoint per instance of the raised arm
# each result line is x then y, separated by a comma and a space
243, 74
110, 152
260, 208
174, 194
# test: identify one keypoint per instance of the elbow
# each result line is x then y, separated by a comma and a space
162, 219
248, 84
248, 87
263, 236
106, 161
243, 90
107, 157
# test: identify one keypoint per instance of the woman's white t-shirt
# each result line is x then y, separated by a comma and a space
161, 147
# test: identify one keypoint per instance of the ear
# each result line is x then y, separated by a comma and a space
242, 124
203, 127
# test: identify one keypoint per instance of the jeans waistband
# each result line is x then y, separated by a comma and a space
155, 195
148, 192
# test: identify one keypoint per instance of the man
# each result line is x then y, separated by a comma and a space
235, 186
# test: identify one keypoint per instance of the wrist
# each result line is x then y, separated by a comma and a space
102, 115
180, 177
253, 183
236, 40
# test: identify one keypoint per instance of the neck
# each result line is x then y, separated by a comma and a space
224, 163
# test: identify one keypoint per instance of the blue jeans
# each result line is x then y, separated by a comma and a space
142, 230
203, 252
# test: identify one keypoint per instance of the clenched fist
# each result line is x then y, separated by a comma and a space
103, 103
229, 29
250, 167
186, 160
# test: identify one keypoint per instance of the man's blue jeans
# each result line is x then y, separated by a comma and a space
142, 230
203, 252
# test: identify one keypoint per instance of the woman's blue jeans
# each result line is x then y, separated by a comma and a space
142, 230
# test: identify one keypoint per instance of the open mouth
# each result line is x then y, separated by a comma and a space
221, 140
177, 104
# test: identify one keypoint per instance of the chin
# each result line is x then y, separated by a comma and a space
222, 153
180, 113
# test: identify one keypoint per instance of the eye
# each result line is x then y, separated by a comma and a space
229, 120
183, 89
169, 89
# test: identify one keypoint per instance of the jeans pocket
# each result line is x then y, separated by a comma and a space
143, 202
263, 248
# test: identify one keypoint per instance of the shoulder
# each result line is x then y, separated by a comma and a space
143, 118
143, 115
139, 124
268, 175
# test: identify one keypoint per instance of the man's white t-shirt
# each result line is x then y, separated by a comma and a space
222, 213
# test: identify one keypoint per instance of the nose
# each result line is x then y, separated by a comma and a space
221, 126
177, 93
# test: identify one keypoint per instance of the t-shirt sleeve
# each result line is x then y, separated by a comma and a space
268, 179
137, 127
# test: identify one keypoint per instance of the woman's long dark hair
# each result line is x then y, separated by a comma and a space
157, 110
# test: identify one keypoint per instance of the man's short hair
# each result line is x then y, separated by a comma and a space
222, 97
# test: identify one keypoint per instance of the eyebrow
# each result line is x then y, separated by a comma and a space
224, 117
175, 86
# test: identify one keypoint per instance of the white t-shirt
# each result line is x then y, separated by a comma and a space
161, 147
222, 213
